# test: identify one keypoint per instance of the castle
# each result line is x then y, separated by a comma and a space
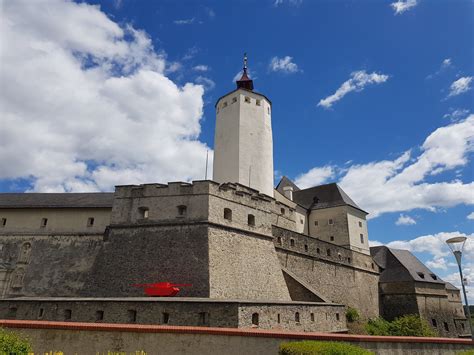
254, 255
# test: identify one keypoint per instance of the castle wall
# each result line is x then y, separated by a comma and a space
345, 276
65, 221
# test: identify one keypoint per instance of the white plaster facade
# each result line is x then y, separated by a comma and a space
243, 144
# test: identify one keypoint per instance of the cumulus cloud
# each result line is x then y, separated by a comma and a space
207, 83
357, 82
314, 177
470, 216
456, 114
460, 86
400, 185
284, 65
404, 220
88, 104
403, 5
445, 64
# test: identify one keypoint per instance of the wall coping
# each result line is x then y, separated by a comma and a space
140, 328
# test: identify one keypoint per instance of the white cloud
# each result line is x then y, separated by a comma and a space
456, 114
400, 185
88, 104
186, 21
284, 65
289, 2
470, 216
404, 220
358, 81
206, 82
446, 63
201, 67
460, 86
403, 5
314, 177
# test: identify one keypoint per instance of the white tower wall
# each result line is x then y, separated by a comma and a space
243, 145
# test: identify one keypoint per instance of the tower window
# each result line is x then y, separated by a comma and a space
132, 315
306, 248
251, 220
297, 317
312, 317
228, 214
44, 222
301, 220
330, 222
360, 224
247, 99
224, 104
349, 260
234, 100
90, 221
165, 318
3, 223
255, 319
258, 102
278, 318
316, 223
337, 316
446, 326
373, 266
268, 110
328, 252
282, 210
362, 238
292, 242
143, 211
99, 315
279, 240
331, 238
318, 251
182, 210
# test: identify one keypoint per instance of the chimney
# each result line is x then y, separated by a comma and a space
288, 192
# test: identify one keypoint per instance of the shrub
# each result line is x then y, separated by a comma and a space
352, 315
408, 325
11, 343
320, 348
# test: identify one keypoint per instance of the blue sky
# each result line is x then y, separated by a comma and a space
375, 99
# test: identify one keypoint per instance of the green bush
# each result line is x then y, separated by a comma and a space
11, 343
352, 315
408, 325
320, 348
465, 352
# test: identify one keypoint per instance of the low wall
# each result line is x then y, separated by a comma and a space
92, 338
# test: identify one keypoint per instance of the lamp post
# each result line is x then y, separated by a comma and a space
456, 245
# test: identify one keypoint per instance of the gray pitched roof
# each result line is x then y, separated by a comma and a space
57, 200
323, 196
401, 265
450, 286
284, 182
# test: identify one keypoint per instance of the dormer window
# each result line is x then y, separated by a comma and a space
434, 277
421, 275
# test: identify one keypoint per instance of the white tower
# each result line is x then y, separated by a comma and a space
243, 143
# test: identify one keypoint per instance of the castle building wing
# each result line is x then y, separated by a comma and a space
57, 200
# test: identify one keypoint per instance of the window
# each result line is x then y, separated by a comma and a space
349, 260
228, 214
258, 102
360, 224
25, 252
67, 314
247, 99
203, 318
421, 275
331, 238
224, 104
282, 211
462, 326
90, 221
339, 256
268, 110
297, 317
3, 223
301, 220
132, 315
255, 319
44, 222
278, 318
316, 223
17, 279
182, 210
446, 326
99, 315
337, 316
41, 313
234, 99
318, 251
144, 212
312, 317
251, 220
434, 323
12, 312
362, 238
279, 240
373, 266
306, 247
328, 252
292, 242
330, 222
165, 318
434, 277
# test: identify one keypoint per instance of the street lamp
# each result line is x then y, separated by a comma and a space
456, 245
